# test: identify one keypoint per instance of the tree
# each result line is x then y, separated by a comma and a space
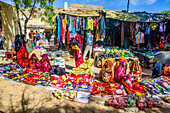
31, 6
165, 12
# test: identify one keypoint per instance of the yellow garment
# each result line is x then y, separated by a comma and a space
65, 23
75, 47
90, 24
86, 67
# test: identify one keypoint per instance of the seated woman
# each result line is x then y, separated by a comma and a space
22, 57
107, 72
135, 69
121, 72
118, 62
45, 62
34, 63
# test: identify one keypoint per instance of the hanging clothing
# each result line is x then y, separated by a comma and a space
86, 23
161, 27
90, 24
95, 22
65, 23
59, 23
140, 37
75, 19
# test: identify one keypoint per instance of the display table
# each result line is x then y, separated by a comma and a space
30, 46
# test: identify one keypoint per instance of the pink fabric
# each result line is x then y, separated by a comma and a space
95, 22
120, 71
83, 24
45, 62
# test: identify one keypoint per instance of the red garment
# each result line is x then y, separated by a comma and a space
68, 38
74, 20
33, 61
22, 57
160, 45
62, 30
95, 22
55, 41
78, 55
80, 39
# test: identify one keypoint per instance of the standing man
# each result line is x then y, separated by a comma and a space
89, 45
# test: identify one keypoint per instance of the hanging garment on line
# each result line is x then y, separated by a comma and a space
95, 22
90, 23
65, 22
75, 19
70, 27
62, 31
84, 24
140, 37
58, 27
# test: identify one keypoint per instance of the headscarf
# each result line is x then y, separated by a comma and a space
117, 63
22, 53
22, 57
120, 70
45, 62
33, 61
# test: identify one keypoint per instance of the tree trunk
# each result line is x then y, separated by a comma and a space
25, 27
19, 22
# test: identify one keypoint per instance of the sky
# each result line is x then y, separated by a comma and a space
151, 6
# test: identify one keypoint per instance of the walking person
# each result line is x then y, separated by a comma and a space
37, 36
89, 45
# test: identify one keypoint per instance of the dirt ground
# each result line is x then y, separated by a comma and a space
23, 98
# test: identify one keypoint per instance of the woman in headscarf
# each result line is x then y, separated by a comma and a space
118, 62
121, 72
45, 63
22, 40
17, 43
34, 62
22, 57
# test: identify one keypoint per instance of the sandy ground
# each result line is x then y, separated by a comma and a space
23, 98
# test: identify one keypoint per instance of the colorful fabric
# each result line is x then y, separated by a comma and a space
101, 88
140, 37
90, 39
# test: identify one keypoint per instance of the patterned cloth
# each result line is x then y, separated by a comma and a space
90, 39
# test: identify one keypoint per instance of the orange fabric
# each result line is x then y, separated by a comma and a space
117, 63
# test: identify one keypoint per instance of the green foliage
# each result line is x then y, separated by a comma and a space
48, 15
165, 12
30, 5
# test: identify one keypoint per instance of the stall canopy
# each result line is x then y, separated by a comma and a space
81, 13
136, 17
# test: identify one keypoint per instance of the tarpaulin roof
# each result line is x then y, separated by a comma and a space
135, 17
80, 12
